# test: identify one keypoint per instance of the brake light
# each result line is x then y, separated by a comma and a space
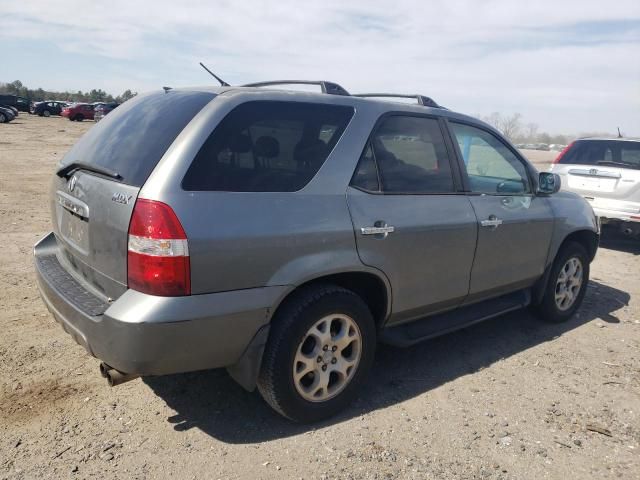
563, 152
158, 251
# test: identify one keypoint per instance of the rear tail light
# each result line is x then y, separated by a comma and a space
158, 251
563, 152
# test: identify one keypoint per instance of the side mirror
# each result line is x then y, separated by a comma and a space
548, 182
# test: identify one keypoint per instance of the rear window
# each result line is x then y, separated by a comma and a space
267, 146
132, 139
616, 153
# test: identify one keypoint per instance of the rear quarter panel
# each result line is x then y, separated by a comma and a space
239, 241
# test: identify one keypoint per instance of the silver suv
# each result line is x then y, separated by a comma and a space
606, 172
282, 234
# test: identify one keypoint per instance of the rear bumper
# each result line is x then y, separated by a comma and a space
613, 209
149, 335
610, 214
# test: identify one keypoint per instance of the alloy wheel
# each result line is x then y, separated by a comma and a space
327, 358
568, 283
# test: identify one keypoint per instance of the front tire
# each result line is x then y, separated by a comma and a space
320, 349
567, 284
46, 113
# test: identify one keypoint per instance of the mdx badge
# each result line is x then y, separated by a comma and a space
72, 183
120, 197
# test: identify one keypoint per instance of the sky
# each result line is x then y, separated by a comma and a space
570, 66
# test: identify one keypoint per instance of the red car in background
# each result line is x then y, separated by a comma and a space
79, 112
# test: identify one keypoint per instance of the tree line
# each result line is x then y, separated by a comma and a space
17, 88
514, 128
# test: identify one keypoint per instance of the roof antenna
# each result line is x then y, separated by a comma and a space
619, 134
222, 82
166, 89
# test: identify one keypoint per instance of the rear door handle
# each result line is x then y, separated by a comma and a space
492, 222
383, 230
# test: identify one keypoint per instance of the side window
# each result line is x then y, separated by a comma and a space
266, 146
490, 165
366, 175
411, 156
630, 153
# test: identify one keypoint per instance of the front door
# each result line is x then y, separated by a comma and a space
514, 225
411, 219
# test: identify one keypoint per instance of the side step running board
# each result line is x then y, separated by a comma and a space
416, 331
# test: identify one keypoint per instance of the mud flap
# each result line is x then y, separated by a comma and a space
245, 371
540, 286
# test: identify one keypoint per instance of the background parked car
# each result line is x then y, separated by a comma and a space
13, 109
46, 109
33, 106
79, 112
6, 114
21, 103
606, 172
557, 147
102, 109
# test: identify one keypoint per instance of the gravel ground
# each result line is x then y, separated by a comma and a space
511, 398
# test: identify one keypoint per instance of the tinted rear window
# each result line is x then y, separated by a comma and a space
132, 139
604, 152
267, 146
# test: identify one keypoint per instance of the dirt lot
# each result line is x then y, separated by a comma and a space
512, 398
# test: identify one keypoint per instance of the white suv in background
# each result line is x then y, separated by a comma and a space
606, 172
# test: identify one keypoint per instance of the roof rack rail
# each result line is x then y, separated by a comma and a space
422, 100
326, 87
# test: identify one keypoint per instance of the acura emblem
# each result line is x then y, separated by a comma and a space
593, 171
72, 183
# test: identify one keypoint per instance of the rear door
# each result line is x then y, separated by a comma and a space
98, 181
602, 169
514, 225
410, 217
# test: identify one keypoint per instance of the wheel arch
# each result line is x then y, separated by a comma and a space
374, 289
585, 237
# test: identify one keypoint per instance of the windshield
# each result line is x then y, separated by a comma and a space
132, 139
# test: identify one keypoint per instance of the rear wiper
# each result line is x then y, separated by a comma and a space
623, 164
67, 170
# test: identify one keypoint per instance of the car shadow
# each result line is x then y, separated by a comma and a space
214, 403
612, 239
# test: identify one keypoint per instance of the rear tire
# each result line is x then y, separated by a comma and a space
46, 113
567, 284
3, 119
78, 118
321, 347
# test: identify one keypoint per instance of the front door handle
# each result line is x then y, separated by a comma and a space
491, 222
379, 228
